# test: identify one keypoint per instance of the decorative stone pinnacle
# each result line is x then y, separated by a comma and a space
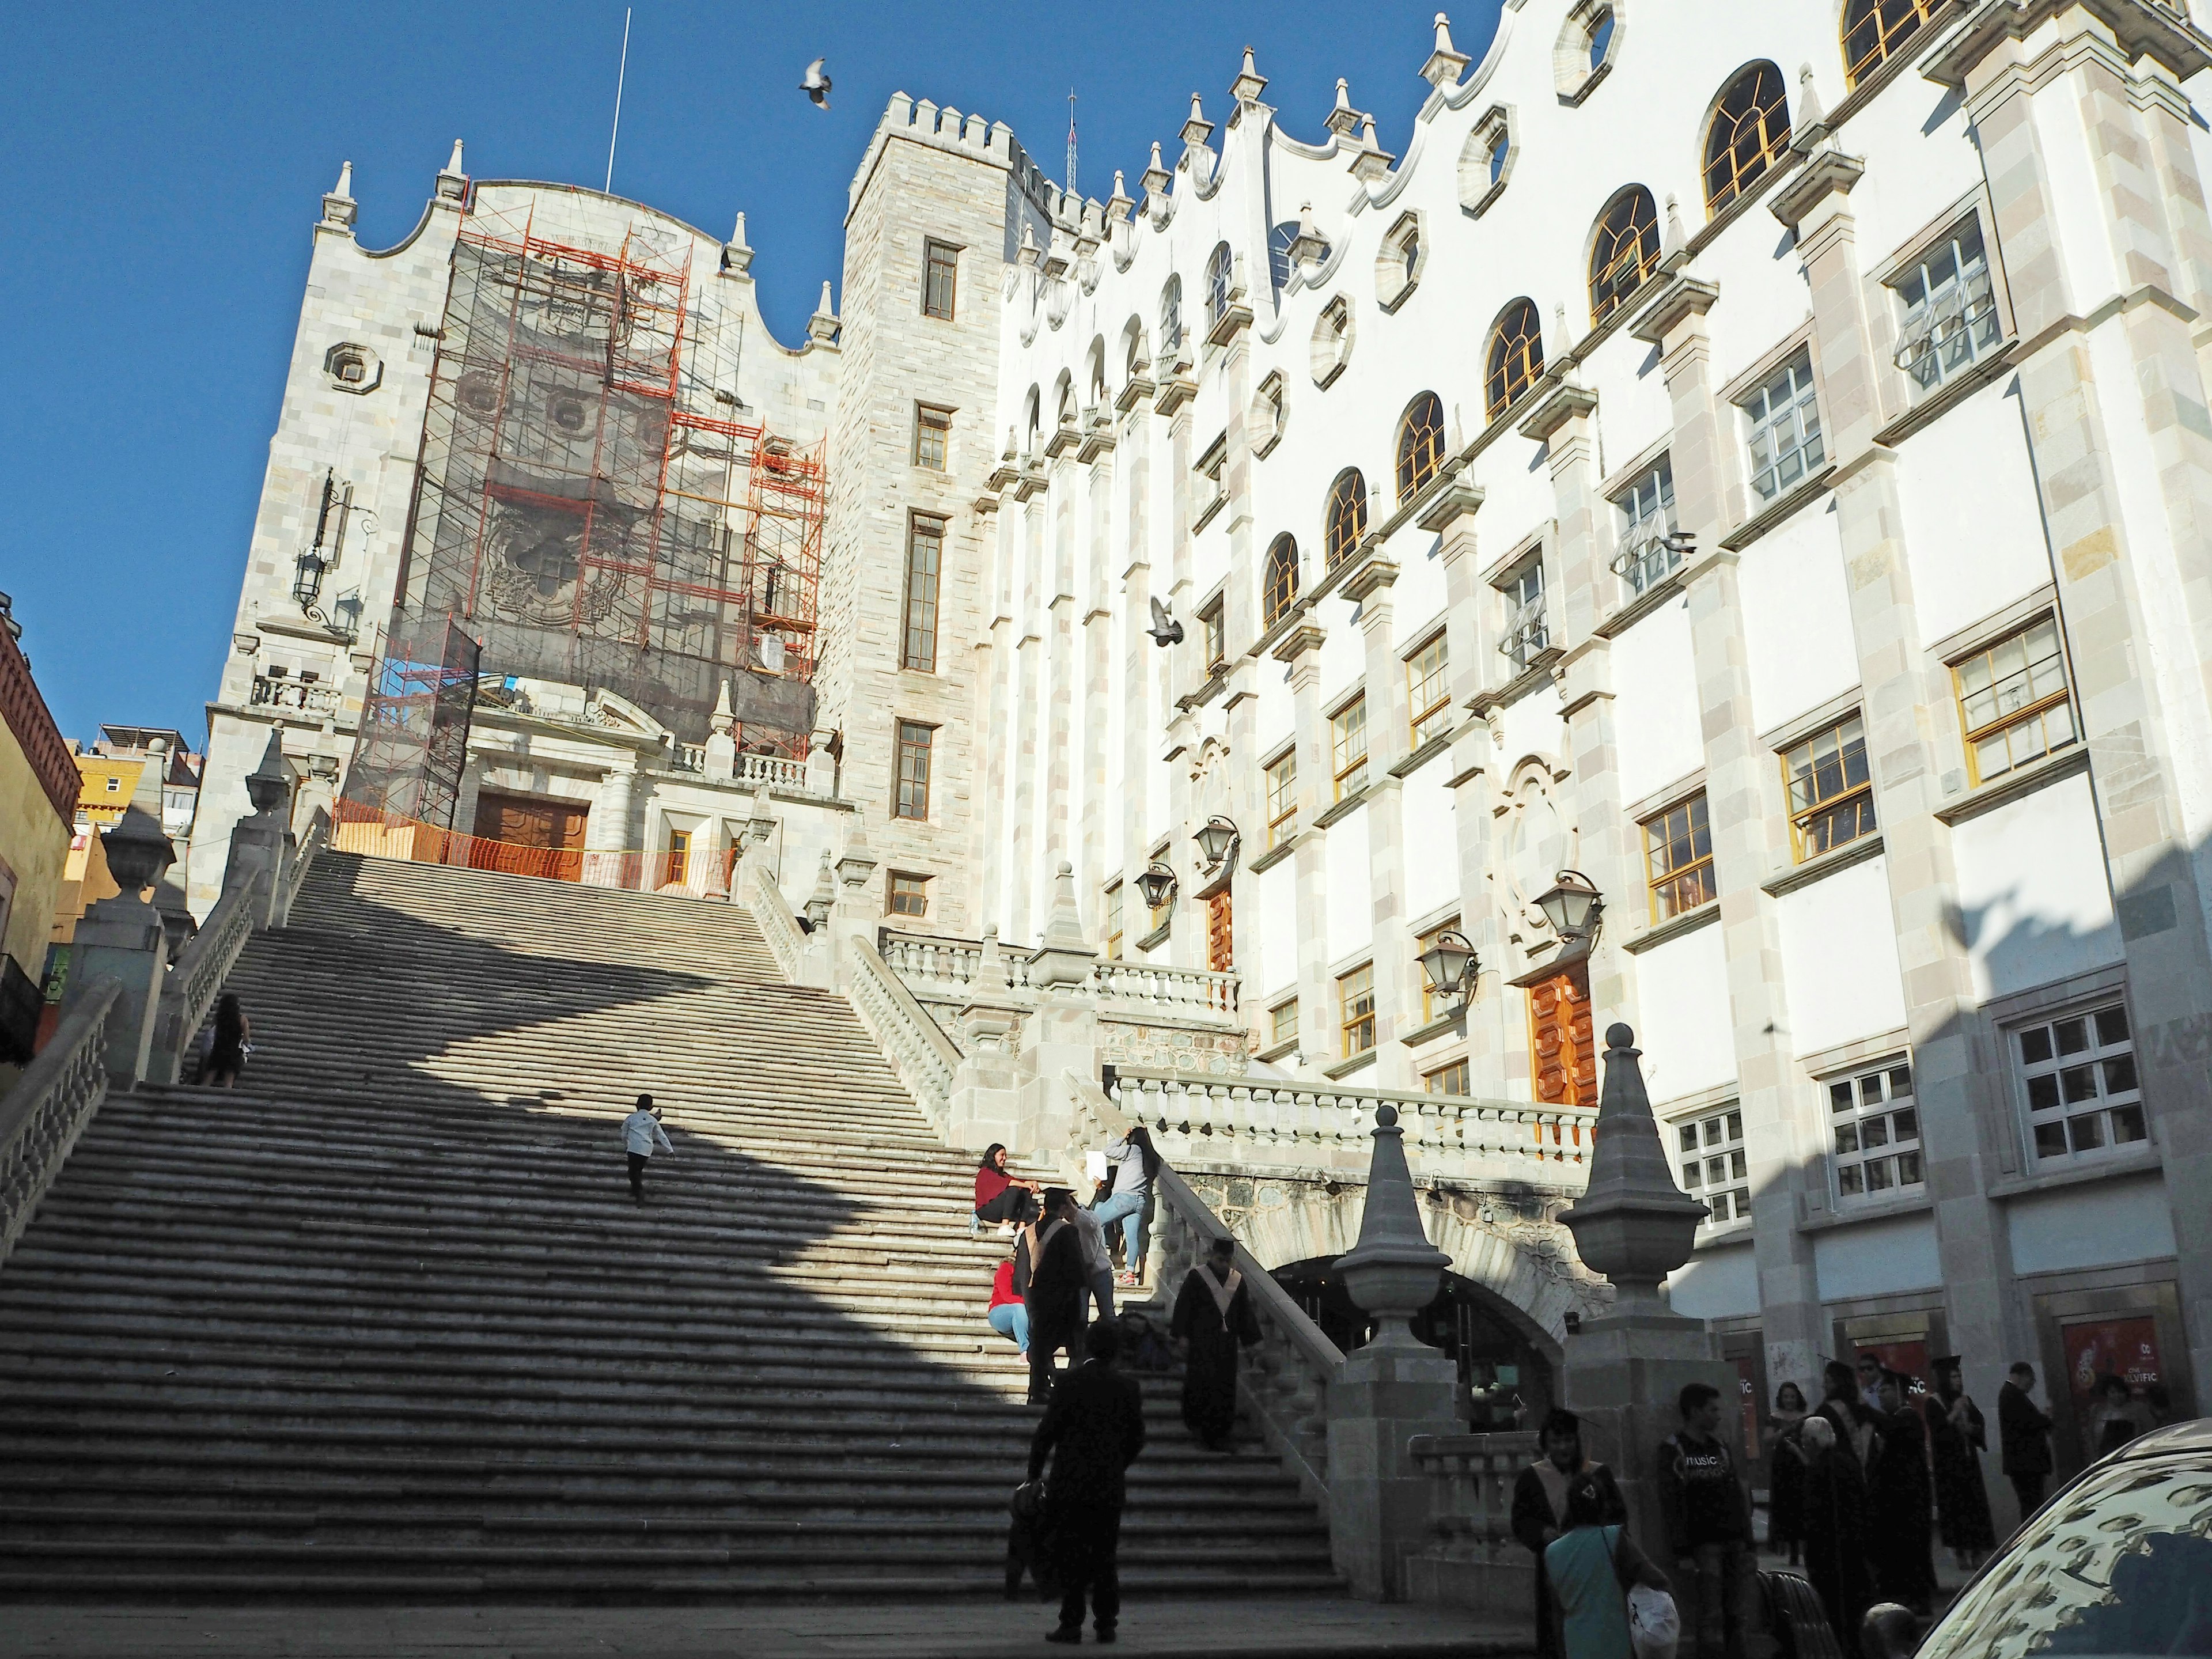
991, 973
1675, 247
453, 182
137, 852
737, 253
1393, 1272
823, 324
1249, 82
1063, 958
1343, 120
1064, 928
858, 861
724, 719
1811, 117
1028, 254
1196, 130
1157, 177
824, 898
338, 204
269, 786
1632, 1223
1445, 64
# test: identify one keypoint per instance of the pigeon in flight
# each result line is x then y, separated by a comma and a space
1165, 630
817, 84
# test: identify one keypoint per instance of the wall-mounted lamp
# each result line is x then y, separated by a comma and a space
1451, 967
1573, 906
1215, 840
1158, 884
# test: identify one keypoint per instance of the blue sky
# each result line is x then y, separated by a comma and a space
161, 171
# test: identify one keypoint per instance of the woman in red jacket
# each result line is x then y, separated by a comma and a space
1009, 1314
999, 1196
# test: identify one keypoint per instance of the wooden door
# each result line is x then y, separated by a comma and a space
1562, 1053
1220, 934
524, 835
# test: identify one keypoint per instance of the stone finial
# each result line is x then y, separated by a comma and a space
1394, 1271
1343, 120
724, 719
1156, 180
1118, 204
269, 786
991, 974
1373, 161
1063, 958
1308, 247
762, 824
137, 852
737, 253
1446, 65
1195, 131
338, 204
453, 182
1675, 246
1558, 344
1249, 82
823, 324
1027, 255
1811, 122
1064, 926
858, 861
1632, 1223
824, 899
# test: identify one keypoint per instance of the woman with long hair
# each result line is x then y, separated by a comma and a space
1132, 1165
226, 1055
1000, 1197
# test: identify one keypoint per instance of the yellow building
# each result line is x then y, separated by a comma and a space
39, 792
106, 784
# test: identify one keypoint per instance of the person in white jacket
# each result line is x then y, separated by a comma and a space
639, 1131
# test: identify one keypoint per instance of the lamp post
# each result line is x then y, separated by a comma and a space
1451, 966
1573, 905
1215, 840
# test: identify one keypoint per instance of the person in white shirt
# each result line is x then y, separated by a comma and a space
640, 1130
1134, 1164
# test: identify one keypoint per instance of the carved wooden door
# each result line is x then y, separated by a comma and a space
1220, 934
1562, 1055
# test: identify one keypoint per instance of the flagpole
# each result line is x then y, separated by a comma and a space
621, 74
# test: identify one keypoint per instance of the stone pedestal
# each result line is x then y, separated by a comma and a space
985, 1104
258, 844
122, 936
1379, 1500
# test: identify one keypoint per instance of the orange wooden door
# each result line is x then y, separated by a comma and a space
1220, 934
1562, 1056
528, 837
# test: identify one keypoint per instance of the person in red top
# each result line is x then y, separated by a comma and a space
1009, 1314
999, 1196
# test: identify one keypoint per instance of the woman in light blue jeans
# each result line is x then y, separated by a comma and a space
1134, 1164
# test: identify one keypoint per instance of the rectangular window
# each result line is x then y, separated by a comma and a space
1678, 853
1113, 922
933, 434
1217, 638
1355, 1010
1453, 1079
1712, 1166
1428, 695
1283, 800
1347, 736
1649, 549
1785, 429
905, 894
925, 554
2080, 1075
1831, 796
1525, 634
914, 741
2013, 701
1874, 1122
939, 279
1434, 1004
1950, 308
1283, 1023
679, 857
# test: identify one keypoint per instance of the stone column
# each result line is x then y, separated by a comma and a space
1026, 692
1136, 667
1397, 977
1063, 667
611, 831
1301, 648
1098, 671
122, 938
993, 692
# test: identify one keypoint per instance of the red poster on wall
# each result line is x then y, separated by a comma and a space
2117, 1347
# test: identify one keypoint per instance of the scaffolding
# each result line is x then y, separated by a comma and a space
591, 502
412, 746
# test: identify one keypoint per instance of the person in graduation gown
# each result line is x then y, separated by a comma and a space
1540, 1510
1213, 1314
1052, 1278
1900, 1497
1957, 1436
1834, 1517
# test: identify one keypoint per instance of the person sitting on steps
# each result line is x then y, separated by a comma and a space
1008, 1314
1001, 1197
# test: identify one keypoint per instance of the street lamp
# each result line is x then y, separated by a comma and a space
1573, 906
1451, 967
1156, 884
1215, 840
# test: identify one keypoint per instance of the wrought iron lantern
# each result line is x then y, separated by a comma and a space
1451, 966
1215, 840
1158, 884
1573, 906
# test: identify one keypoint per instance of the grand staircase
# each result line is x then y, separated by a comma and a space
384, 1322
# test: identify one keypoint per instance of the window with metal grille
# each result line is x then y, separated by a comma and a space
1678, 855
940, 278
1526, 633
1113, 922
1212, 622
1624, 252
1650, 549
913, 744
2013, 701
1749, 134
924, 550
1875, 1123
1784, 416
1831, 794
1428, 693
1515, 358
1281, 585
1282, 799
1712, 1164
1434, 1003
1355, 1004
1347, 735
1950, 308
1456, 1079
905, 894
1420, 444
1282, 1022
1875, 30
933, 431
2079, 1072
1345, 518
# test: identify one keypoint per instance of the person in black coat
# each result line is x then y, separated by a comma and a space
1901, 1497
1540, 1510
1213, 1316
1092, 1431
1834, 1514
1052, 1278
2024, 1433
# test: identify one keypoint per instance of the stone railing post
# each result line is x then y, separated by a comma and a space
263, 841
122, 938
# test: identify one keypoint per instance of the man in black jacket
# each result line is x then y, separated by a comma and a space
1092, 1431
1052, 1278
2024, 1433
1540, 1510
1708, 1515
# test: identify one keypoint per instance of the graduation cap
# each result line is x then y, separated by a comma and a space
1946, 1362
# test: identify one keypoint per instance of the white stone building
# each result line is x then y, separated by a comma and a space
1755, 456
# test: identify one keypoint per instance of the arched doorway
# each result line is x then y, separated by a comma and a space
1505, 1378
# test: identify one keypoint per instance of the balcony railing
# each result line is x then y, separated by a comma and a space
303, 696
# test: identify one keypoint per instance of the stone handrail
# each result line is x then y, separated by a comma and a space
777, 771
1471, 1512
1197, 990
1286, 1379
197, 978
42, 1116
949, 969
1281, 1122
922, 1055
779, 927
317, 838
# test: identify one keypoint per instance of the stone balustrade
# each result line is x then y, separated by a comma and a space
777, 771
779, 927
1472, 1557
919, 1051
42, 1116
1252, 1123
939, 969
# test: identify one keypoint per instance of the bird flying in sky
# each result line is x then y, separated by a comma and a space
817, 84
1165, 630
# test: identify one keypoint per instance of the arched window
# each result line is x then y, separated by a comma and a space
1279, 580
1171, 319
1346, 516
1517, 357
1874, 29
1218, 267
1420, 444
1626, 251
1750, 130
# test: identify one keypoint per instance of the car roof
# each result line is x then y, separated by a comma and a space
2194, 1436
